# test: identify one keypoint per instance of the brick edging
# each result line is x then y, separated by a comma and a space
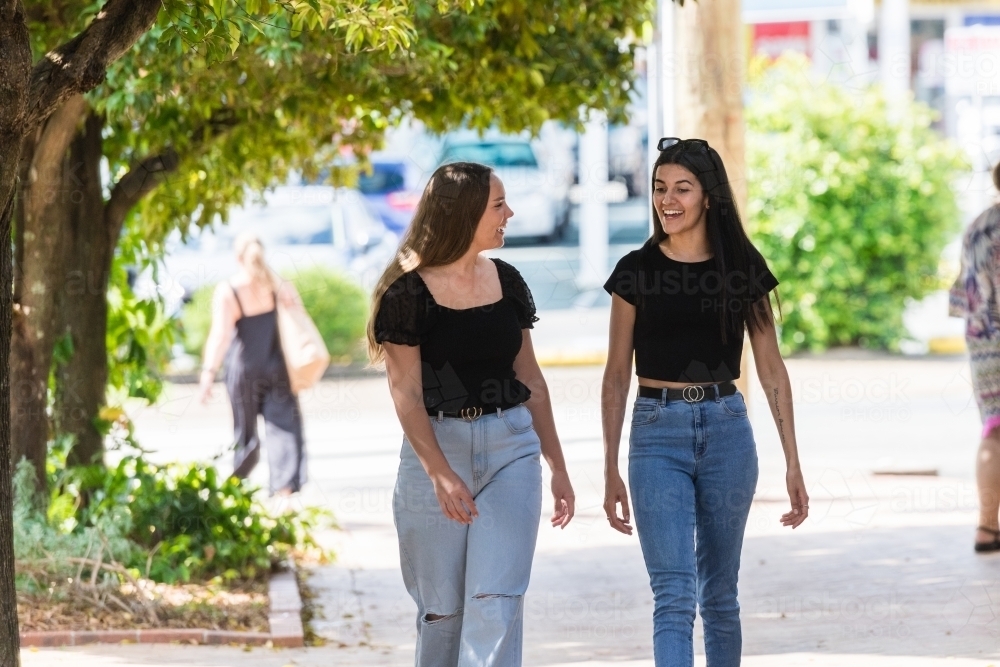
284, 621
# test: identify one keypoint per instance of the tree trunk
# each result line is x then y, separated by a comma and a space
10, 651
28, 95
15, 71
50, 195
81, 381
709, 89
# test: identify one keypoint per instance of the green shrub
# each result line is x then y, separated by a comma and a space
49, 549
187, 520
196, 320
338, 306
850, 201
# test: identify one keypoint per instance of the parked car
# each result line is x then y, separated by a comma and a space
301, 227
537, 196
386, 191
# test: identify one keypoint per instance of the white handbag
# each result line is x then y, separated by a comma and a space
306, 356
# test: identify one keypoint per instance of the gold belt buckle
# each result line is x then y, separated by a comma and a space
471, 414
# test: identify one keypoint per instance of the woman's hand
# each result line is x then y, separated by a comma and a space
798, 497
454, 497
205, 386
615, 493
565, 500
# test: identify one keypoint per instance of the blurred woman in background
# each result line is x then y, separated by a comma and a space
245, 322
974, 297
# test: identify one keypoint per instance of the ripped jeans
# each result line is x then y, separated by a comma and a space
469, 581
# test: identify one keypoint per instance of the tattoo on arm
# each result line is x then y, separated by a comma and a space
778, 418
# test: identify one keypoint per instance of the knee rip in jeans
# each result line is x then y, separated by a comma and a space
437, 618
490, 596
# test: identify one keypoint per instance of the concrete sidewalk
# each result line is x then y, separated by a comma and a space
882, 574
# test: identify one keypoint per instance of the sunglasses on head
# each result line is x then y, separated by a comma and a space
667, 142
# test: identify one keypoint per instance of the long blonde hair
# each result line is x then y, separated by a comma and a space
250, 251
445, 222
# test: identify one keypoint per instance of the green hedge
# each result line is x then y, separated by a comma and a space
851, 202
337, 305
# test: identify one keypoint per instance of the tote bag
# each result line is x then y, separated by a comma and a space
306, 356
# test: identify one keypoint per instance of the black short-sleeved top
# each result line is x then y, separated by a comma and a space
467, 356
677, 337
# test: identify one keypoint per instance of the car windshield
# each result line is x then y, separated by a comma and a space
500, 154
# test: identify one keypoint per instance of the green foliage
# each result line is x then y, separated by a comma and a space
187, 521
337, 306
49, 547
247, 91
851, 202
139, 337
196, 320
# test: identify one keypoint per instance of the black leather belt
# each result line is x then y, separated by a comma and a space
692, 393
469, 414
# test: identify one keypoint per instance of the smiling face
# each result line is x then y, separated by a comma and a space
489, 232
678, 199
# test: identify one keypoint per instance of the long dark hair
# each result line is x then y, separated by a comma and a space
441, 232
732, 250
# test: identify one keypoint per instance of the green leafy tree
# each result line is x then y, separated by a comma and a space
851, 202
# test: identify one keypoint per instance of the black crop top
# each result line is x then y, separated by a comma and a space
677, 337
467, 356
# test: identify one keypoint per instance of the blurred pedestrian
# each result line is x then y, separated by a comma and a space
245, 322
974, 297
681, 304
453, 330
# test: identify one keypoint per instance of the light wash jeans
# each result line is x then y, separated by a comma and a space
692, 473
473, 576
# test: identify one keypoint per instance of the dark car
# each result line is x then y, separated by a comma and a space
386, 191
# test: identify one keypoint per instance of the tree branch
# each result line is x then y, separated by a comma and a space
81, 64
133, 186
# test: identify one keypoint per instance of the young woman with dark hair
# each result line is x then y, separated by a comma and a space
681, 304
453, 330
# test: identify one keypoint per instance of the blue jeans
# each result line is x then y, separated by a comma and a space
469, 581
692, 472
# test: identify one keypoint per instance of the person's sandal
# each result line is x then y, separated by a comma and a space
986, 547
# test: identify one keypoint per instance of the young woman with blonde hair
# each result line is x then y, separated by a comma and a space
453, 330
245, 323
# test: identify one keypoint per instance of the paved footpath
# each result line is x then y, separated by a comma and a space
881, 575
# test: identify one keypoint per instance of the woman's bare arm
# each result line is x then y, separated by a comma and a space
225, 313
527, 371
402, 364
778, 389
614, 396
